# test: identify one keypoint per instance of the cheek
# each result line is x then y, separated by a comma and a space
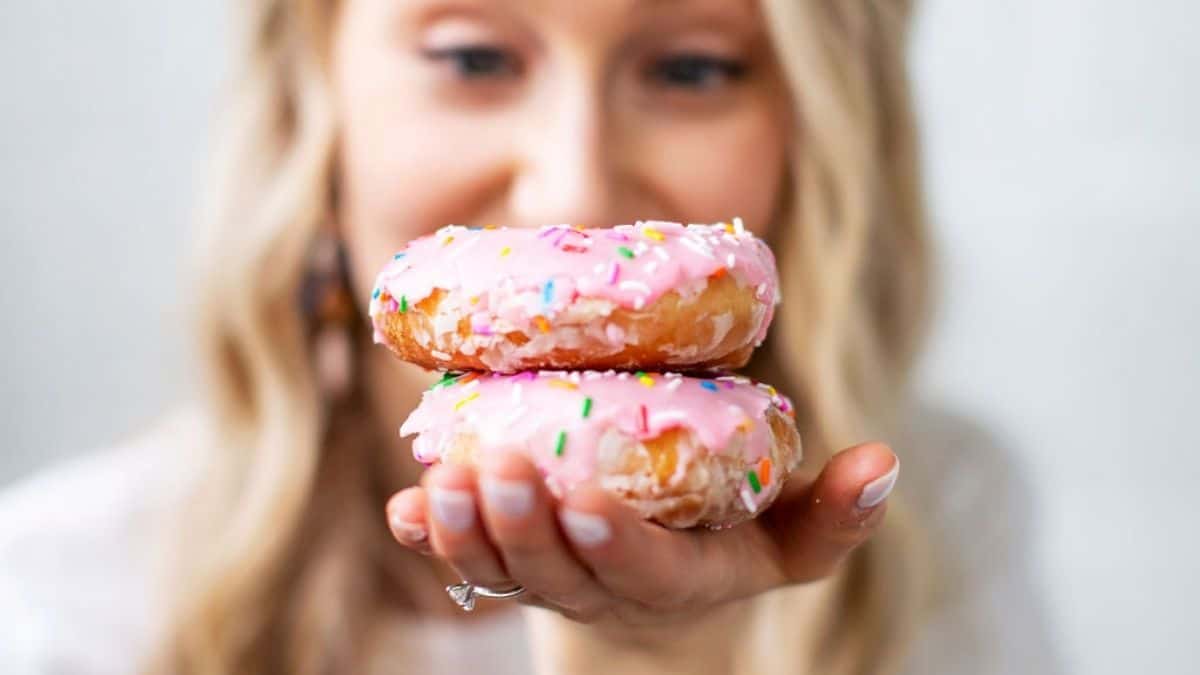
712, 171
403, 172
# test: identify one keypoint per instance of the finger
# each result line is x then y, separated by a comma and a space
659, 568
407, 514
455, 532
519, 513
835, 514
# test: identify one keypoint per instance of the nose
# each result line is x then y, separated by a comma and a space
565, 167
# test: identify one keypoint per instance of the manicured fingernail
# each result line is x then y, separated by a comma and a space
585, 529
453, 508
411, 533
513, 498
876, 491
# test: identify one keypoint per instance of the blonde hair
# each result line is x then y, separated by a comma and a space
274, 587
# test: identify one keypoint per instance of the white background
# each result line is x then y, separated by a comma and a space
1063, 156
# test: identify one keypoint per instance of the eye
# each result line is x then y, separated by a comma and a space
696, 71
476, 62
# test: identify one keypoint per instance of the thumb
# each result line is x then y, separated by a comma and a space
818, 527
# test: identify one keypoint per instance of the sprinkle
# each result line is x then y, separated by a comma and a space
764, 469
653, 233
375, 294
505, 251
631, 285
587, 407
661, 253
644, 420
718, 274
639, 302
709, 386
458, 406
645, 379
697, 246
398, 256
489, 227
614, 272
548, 292
449, 238
748, 500
474, 299
563, 384
746, 425
739, 226
651, 266
542, 324
754, 484
730, 260
674, 384
448, 378
440, 355
560, 443
403, 304
624, 250
728, 227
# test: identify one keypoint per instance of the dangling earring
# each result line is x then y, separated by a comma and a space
325, 297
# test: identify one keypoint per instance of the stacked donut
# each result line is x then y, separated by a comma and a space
559, 343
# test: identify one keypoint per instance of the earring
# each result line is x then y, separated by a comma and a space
325, 298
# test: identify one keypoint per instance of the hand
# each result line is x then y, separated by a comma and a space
593, 559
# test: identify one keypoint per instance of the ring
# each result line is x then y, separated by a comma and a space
464, 594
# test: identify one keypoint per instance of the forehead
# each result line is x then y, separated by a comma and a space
592, 15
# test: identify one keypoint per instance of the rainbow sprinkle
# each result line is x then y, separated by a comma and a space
542, 324
548, 292
375, 294
645, 379
563, 384
449, 238
625, 251
754, 484
560, 443
505, 251
645, 421
398, 256
458, 406
587, 407
764, 468
653, 233
709, 386
403, 304
448, 379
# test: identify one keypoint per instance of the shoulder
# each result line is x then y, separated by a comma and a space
80, 548
972, 496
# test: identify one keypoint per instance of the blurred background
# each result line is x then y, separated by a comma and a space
1063, 158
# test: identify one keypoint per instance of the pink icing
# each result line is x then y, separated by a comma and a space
527, 411
547, 269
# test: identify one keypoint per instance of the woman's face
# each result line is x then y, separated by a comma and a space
532, 112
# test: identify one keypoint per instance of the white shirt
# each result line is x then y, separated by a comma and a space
79, 545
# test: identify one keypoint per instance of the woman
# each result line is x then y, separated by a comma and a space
357, 125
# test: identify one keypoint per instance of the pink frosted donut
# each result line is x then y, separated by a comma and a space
654, 295
684, 451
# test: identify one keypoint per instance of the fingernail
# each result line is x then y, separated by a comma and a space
585, 529
453, 508
513, 498
411, 533
876, 491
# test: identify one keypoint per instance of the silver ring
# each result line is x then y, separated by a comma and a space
464, 594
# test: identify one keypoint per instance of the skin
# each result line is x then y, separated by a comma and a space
530, 112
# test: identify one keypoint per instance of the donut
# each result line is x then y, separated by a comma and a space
650, 296
683, 451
